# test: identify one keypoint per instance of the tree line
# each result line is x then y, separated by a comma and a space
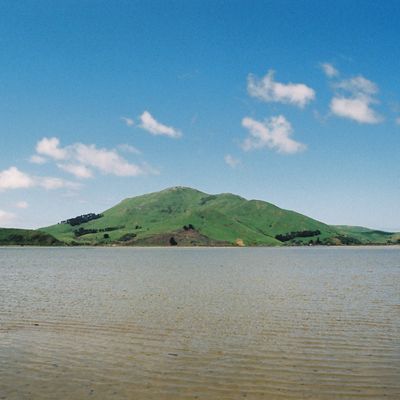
285, 237
81, 219
82, 231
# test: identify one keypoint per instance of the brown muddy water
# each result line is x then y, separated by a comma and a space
296, 323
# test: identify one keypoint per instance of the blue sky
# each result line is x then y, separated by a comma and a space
292, 102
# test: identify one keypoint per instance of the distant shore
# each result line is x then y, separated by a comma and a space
203, 247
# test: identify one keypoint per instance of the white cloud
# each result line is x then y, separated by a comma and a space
51, 183
13, 178
6, 218
80, 159
127, 148
355, 103
22, 204
397, 120
268, 90
273, 133
231, 161
357, 109
358, 86
36, 159
79, 171
50, 147
128, 121
329, 70
107, 161
151, 125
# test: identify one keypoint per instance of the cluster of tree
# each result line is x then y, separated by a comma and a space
285, 237
206, 199
111, 228
81, 219
189, 227
82, 231
127, 237
311, 242
348, 240
172, 241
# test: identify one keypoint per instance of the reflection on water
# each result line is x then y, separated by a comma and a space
200, 323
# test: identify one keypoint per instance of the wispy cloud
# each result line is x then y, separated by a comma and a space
232, 161
358, 85
397, 120
188, 75
329, 70
274, 133
150, 124
52, 183
22, 204
13, 178
127, 148
268, 90
79, 171
354, 99
128, 121
6, 218
36, 159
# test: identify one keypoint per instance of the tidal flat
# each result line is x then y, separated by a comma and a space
200, 323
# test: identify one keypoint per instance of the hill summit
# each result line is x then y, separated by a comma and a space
188, 217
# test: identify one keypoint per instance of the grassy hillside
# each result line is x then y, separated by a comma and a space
367, 236
192, 217
24, 237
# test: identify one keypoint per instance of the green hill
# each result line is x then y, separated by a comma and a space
189, 217
25, 237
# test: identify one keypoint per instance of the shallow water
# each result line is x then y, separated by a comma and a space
123, 323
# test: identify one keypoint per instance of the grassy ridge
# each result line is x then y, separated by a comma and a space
366, 236
25, 237
154, 218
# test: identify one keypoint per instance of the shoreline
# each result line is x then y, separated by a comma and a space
205, 247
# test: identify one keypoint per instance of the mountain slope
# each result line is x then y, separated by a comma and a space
191, 217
